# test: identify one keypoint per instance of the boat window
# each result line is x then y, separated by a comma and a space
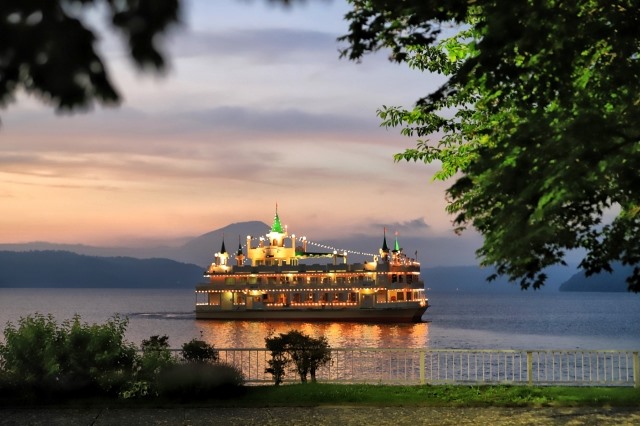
409, 279
394, 278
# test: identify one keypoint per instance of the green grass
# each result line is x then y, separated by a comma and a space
377, 395
333, 394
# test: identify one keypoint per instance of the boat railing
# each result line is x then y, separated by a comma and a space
456, 366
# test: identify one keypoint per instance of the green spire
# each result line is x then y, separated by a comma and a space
384, 241
277, 227
396, 247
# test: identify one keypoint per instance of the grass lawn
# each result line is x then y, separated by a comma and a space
334, 394
373, 395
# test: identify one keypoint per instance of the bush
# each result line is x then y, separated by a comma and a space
156, 357
305, 352
43, 357
199, 351
200, 380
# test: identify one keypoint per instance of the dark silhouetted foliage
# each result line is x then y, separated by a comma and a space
306, 353
48, 47
199, 351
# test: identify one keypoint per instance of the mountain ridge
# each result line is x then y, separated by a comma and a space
199, 251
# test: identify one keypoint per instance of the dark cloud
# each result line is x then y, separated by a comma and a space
414, 225
290, 121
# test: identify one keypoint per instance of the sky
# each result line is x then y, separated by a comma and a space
256, 109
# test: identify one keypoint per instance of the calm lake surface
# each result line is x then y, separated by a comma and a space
522, 320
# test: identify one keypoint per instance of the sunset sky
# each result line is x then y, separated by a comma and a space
256, 108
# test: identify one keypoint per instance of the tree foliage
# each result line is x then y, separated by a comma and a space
39, 355
306, 353
200, 352
48, 47
538, 122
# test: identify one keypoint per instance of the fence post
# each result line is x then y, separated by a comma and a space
423, 354
636, 370
530, 368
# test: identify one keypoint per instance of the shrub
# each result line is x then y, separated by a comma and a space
95, 355
30, 352
305, 352
41, 356
156, 357
199, 351
200, 380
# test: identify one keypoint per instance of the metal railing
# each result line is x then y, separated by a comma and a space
456, 366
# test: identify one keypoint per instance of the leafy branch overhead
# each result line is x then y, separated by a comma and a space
48, 48
538, 122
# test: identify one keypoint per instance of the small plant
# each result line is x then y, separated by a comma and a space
305, 352
155, 343
200, 352
156, 357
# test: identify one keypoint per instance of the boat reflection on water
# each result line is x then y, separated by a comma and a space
251, 334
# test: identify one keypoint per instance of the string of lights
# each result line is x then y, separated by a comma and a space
315, 244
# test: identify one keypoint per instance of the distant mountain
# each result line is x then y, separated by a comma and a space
199, 250
56, 269
65, 269
431, 251
608, 282
472, 279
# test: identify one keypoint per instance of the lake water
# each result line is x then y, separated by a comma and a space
525, 320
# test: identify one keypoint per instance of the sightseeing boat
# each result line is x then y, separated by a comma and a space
275, 281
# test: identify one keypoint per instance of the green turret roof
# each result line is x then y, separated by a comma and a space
276, 227
396, 247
